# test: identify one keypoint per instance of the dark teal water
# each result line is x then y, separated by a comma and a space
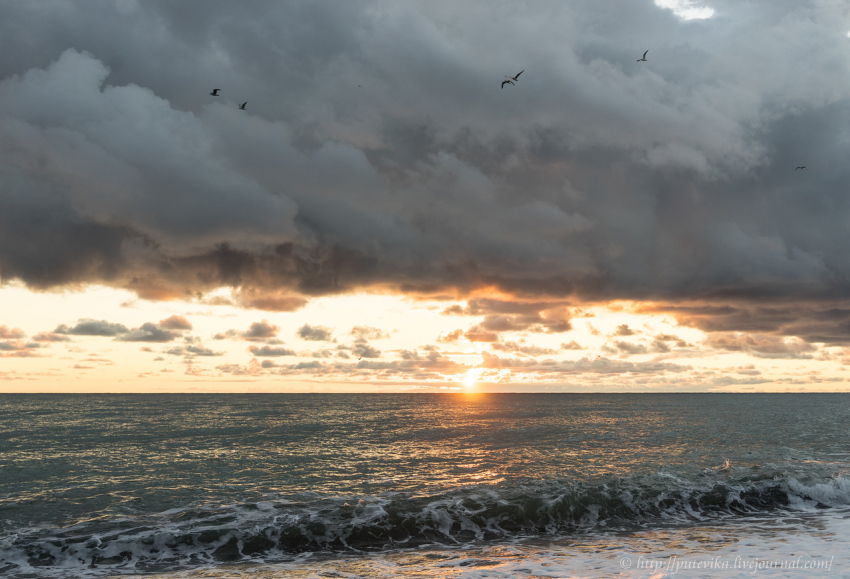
96, 485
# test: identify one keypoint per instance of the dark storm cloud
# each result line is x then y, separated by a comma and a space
809, 320
89, 327
594, 178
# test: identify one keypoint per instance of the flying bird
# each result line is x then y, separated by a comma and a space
504, 82
215, 91
803, 167
242, 106
515, 78
644, 57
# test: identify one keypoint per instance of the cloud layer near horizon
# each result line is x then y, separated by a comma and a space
377, 151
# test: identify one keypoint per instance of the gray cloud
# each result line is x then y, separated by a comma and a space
89, 327
624, 330
364, 350
595, 177
368, 333
261, 331
149, 332
50, 337
193, 350
315, 333
761, 346
267, 350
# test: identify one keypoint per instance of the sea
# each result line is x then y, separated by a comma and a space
455, 485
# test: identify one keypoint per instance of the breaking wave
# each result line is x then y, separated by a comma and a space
277, 530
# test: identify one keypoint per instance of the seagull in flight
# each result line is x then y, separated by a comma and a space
215, 91
802, 167
644, 57
242, 106
504, 82
515, 78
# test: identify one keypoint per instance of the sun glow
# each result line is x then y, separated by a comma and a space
471, 378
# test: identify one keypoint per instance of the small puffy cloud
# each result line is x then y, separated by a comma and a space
270, 351
521, 348
452, 336
90, 327
50, 337
660, 347
315, 333
175, 323
362, 333
229, 334
149, 332
10, 346
629, 349
515, 316
624, 330
11, 333
364, 350
192, 350
261, 331
478, 334
19, 349
572, 345
761, 346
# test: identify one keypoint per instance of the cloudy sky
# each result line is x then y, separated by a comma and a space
383, 216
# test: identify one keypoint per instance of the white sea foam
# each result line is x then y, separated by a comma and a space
814, 545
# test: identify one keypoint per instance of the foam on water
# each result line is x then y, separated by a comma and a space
801, 546
279, 530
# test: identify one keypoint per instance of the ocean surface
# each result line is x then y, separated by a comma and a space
421, 485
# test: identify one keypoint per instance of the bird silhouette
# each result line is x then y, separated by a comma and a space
215, 91
504, 82
515, 78
242, 106
644, 57
803, 167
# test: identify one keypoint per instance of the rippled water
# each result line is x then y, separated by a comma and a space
97, 485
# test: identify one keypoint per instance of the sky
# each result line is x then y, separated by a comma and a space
385, 216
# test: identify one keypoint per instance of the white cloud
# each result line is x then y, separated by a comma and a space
686, 9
